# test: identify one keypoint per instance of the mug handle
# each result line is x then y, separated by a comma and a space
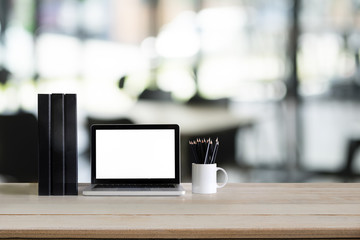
226, 177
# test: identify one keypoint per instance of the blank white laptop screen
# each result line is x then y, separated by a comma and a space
135, 154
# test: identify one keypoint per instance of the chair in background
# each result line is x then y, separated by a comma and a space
352, 147
19, 148
90, 121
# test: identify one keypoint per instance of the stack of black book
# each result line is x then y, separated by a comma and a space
57, 123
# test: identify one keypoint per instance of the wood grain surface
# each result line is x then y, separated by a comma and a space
246, 210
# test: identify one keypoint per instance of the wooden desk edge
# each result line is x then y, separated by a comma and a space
185, 234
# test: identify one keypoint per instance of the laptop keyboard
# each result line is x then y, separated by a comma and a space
134, 186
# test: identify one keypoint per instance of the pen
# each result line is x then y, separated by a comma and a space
207, 152
215, 151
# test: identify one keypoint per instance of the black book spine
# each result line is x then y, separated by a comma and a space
71, 153
57, 145
44, 128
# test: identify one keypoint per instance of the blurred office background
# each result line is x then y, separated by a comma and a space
289, 70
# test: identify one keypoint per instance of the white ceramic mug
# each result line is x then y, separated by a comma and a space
204, 178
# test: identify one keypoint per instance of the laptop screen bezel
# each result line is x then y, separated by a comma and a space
96, 127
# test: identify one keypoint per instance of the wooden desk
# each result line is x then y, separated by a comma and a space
236, 211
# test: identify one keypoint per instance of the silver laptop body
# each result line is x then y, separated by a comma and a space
135, 160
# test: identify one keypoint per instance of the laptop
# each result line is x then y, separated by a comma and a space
135, 160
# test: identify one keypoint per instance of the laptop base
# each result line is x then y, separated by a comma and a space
110, 191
